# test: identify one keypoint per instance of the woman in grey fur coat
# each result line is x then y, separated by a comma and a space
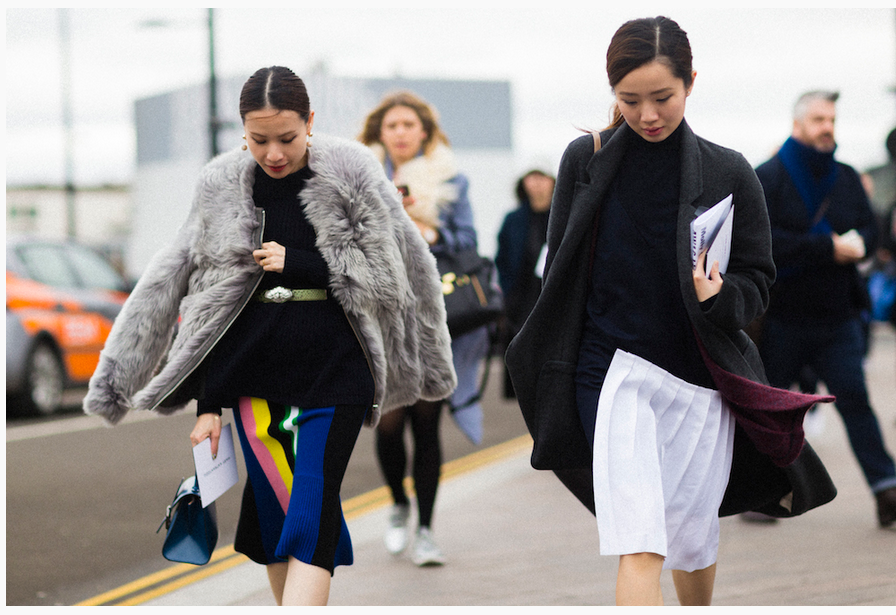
299, 294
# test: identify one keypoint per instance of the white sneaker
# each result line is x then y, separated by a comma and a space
426, 552
813, 424
396, 537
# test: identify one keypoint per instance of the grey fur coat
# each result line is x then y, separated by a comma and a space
381, 272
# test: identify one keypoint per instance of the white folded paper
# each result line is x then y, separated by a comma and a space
216, 475
711, 233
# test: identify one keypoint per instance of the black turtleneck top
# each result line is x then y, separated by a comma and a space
300, 353
635, 300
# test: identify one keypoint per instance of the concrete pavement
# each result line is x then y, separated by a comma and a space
514, 536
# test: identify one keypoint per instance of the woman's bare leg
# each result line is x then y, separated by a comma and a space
695, 588
306, 585
297, 583
277, 579
638, 581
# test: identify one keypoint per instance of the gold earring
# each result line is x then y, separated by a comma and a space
245, 147
308, 140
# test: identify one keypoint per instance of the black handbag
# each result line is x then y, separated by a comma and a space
192, 529
470, 287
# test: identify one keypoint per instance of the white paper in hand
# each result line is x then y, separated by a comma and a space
720, 250
216, 475
711, 233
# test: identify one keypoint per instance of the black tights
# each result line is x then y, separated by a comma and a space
392, 454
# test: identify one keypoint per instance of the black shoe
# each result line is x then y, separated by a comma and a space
886, 507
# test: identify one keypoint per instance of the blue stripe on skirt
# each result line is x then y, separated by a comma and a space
296, 460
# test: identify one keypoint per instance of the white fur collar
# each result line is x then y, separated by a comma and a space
427, 177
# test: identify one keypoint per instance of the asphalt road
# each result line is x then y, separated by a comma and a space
83, 501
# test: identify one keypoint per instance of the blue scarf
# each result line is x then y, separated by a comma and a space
813, 173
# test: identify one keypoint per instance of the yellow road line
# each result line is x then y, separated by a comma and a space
197, 575
140, 585
180, 575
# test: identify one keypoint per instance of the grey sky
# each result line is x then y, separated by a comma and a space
751, 64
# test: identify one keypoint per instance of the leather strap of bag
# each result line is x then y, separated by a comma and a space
596, 136
822, 210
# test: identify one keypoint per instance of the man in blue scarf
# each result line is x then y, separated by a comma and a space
822, 226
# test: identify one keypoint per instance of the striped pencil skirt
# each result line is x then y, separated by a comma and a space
662, 456
295, 459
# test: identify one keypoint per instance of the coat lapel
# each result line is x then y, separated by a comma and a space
691, 188
691, 168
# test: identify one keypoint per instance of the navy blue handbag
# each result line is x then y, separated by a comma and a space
192, 529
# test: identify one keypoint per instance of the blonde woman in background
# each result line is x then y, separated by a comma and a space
404, 133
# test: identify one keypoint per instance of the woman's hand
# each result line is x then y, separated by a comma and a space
430, 234
707, 287
271, 256
207, 426
848, 247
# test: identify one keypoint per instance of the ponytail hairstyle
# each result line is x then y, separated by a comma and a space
641, 41
277, 88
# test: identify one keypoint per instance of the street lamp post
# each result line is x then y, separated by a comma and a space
213, 123
67, 123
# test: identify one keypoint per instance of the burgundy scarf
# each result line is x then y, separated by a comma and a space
772, 418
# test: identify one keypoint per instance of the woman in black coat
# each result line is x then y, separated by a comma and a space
626, 322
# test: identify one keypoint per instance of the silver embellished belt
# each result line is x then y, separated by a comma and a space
279, 294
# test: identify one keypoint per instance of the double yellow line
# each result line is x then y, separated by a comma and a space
167, 580
180, 575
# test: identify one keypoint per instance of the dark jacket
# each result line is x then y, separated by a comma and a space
542, 358
512, 246
810, 284
520, 242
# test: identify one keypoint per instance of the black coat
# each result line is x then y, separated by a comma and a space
542, 358
810, 283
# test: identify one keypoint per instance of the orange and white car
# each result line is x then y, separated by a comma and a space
61, 299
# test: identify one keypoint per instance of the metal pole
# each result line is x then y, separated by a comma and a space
67, 123
212, 86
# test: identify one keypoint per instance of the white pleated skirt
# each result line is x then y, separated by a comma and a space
662, 456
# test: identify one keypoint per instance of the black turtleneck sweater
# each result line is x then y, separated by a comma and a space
300, 353
635, 301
